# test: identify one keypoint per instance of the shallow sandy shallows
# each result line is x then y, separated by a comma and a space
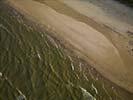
87, 42
109, 12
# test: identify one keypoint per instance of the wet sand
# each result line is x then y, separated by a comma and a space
102, 51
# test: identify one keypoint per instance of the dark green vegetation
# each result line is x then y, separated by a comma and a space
127, 2
34, 66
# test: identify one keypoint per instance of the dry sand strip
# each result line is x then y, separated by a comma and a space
88, 42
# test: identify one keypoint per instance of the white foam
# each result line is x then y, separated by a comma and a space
0, 74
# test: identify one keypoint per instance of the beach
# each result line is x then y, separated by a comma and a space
101, 46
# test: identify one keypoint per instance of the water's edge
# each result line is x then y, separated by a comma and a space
36, 66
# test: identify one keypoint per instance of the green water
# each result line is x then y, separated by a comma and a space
35, 66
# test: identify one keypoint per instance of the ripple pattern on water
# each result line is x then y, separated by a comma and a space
35, 66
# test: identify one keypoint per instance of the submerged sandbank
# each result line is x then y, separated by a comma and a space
89, 43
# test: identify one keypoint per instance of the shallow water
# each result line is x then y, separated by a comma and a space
35, 66
108, 12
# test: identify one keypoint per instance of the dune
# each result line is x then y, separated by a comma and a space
84, 40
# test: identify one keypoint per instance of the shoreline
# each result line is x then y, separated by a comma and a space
68, 49
57, 36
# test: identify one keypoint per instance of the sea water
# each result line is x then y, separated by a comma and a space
36, 66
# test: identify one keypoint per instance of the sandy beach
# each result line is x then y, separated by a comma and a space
101, 46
